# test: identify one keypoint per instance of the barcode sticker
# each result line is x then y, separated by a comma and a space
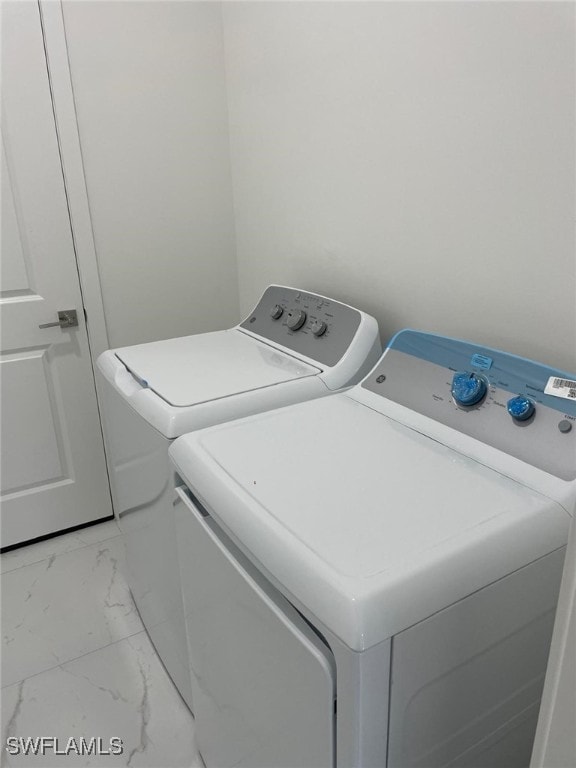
561, 388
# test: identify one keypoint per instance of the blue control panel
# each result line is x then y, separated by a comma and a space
517, 405
509, 372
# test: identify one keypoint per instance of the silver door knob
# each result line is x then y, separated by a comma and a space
67, 318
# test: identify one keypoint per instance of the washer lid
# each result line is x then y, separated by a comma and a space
370, 525
209, 366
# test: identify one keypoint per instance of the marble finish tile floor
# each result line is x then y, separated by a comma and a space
77, 662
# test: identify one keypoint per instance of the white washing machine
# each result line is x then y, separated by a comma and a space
371, 579
294, 346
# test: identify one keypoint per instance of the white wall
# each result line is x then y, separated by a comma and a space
414, 159
149, 88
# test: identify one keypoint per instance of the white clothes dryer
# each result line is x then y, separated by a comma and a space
294, 346
555, 742
371, 579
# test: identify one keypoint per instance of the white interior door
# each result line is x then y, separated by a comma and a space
53, 472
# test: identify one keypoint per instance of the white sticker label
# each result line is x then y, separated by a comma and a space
561, 388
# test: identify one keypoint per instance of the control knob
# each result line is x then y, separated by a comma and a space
276, 312
318, 327
520, 408
468, 388
296, 319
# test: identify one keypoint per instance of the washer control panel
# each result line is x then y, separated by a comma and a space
308, 324
519, 406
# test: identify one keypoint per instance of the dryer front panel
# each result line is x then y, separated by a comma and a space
263, 682
467, 681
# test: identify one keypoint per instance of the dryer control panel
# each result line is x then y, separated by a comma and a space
319, 328
516, 405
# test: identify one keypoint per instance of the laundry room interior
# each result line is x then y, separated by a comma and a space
288, 470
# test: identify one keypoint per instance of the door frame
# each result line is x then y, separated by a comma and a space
65, 118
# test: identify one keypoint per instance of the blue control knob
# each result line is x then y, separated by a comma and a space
520, 407
468, 388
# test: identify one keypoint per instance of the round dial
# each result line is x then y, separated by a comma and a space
318, 327
276, 312
520, 407
468, 388
295, 319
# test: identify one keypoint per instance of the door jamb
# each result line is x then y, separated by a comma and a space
53, 31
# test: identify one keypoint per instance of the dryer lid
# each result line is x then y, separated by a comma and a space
209, 366
371, 525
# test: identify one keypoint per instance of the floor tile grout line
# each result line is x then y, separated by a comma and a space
65, 552
76, 658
